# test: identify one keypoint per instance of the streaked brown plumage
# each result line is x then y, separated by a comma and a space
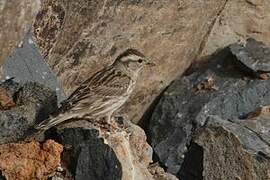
103, 93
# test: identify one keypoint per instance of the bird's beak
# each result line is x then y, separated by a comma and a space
149, 63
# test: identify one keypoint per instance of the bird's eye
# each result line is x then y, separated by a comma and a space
140, 60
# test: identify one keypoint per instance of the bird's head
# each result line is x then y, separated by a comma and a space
133, 60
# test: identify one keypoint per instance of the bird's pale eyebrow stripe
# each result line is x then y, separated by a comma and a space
131, 57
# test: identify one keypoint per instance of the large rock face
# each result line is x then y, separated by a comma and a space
16, 19
238, 21
78, 38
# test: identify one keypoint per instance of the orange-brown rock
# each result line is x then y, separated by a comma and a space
261, 111
6, 101
30, 160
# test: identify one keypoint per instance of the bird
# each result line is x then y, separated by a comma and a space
103, 93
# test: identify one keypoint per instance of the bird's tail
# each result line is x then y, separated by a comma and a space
48, 123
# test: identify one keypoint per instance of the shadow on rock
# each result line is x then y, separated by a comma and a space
229, 85
22, 106
87, 156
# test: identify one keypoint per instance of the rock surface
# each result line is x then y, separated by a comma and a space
26, 64
237, 21
219, 87
33, 103
92, 158
103, 152
233, 151
16, 18
30, 160
253, 54
76, 42
77, 38
159, 173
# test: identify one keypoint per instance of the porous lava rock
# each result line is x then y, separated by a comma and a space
31, 103
30, 160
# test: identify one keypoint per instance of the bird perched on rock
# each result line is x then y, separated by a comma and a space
103, 93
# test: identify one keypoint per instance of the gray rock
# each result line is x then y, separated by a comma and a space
2, 177
219, 87
255, 55
192, 167
26, 64
251, 141
90, 158
232, 151
34, 102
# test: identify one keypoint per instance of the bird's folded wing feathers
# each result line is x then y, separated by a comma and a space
108, 83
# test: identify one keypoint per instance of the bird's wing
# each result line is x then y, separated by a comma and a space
107, 83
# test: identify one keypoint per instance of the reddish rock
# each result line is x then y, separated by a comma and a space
30, 160
6, 101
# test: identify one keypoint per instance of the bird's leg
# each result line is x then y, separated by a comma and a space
108, 118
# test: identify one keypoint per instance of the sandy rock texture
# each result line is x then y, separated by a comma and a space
134, 153
238, 21
79, 37
30, 160
159, 173
16, 19
234, 151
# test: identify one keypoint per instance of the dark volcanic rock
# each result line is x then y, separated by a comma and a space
192, 167
11, 86
33, 102
216, 88
40, 100
2, 177
91, 158
254, 55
